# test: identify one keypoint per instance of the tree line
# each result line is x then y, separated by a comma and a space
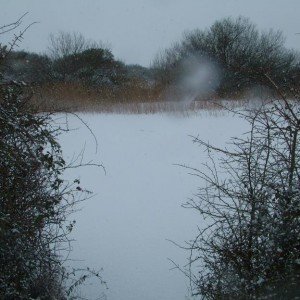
72, 58
236, 48
242, 54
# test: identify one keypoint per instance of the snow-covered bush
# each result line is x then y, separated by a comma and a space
94, 66
35, 199
28, 67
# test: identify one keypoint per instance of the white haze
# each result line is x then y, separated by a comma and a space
198, 79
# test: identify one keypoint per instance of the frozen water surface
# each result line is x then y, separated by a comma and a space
136, 209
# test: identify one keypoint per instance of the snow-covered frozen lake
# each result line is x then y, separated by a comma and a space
136, 209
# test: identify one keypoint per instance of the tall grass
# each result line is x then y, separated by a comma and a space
133, 99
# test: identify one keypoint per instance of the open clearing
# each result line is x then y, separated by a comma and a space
136, 207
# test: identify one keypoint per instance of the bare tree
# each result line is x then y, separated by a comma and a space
17, 37
242, 53
68, 43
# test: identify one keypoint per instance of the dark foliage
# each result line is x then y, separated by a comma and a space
93, 66
28, 67
35, 199
32, 201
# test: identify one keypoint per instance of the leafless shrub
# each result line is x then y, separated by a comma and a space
250, 198
68, 43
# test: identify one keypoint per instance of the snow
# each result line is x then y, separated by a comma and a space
136, 209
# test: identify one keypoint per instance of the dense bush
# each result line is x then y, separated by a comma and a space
35, 202
27, 67
93, 66
72, 59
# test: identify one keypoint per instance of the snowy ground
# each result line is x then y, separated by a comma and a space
125, 227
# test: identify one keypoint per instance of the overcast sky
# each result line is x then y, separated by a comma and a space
137, 29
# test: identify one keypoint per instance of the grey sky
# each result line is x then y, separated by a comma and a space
137, 29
